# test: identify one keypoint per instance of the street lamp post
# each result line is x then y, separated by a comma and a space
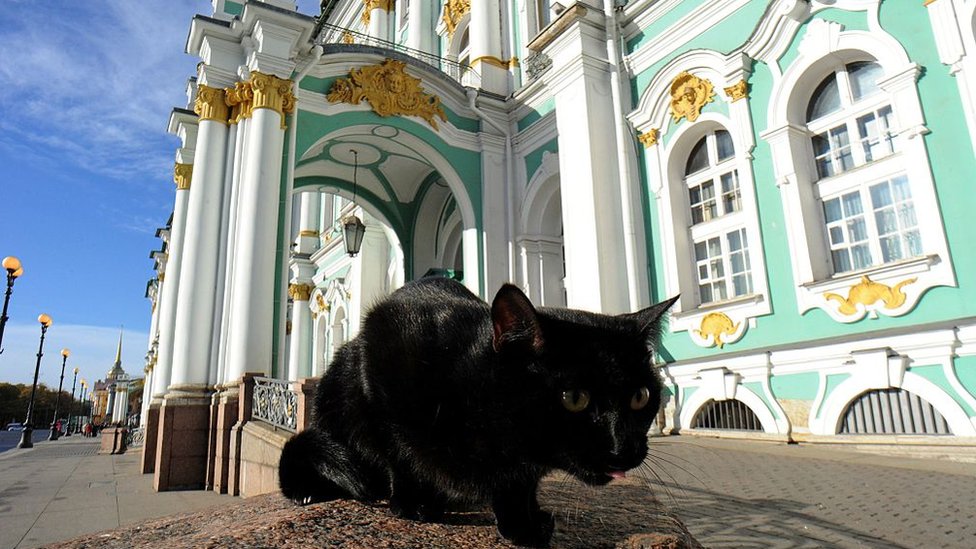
71, 406
25, 437
65, 353
14, 269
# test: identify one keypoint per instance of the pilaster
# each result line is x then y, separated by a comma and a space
182, 442
300, 357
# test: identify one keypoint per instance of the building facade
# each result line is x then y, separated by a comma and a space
797, 170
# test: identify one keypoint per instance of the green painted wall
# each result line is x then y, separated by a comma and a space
936, 374
952, 163
543, 109
757, 387
534, 159
233, 8
662, 23
832, 382
802, 386
965, 367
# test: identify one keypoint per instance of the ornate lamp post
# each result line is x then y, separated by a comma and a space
14, 269
71, 406
55, 434
353, 228
25, 437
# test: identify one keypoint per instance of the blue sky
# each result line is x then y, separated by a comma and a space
86, 89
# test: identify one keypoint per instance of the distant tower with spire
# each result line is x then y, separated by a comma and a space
116, 372
112, 394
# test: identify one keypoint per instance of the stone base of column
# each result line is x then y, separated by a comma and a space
183, 437
226, 417
148, 464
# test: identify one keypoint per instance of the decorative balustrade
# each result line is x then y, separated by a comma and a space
275, 403
135, 438
331, 34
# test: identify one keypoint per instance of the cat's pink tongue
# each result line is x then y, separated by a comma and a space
618, 474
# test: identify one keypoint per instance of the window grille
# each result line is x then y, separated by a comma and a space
892, 412
728, 415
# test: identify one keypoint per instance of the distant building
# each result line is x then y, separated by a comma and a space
798, 171
111, 395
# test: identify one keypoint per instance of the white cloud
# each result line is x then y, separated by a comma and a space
92, 352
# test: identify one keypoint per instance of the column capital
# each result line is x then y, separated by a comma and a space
370, 5
454, 10
211, 104
240, 99
271, 92
300, 292
182, 174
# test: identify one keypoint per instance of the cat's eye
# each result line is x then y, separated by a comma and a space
640, 398
576, 400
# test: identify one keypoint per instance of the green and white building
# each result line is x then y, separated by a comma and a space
799, 171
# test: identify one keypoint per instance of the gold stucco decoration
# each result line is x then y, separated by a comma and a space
271, 92
240, 99
182, 174
868, 292
389, 90
689, 95
210, 104
300, 292
717, 325
454, 10
348, 38
649, 138
737, 91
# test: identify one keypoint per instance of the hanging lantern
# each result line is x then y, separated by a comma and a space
353, 231
353, 228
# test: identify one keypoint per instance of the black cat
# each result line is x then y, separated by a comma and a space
440, 399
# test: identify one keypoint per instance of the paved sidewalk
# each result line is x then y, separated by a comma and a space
62, 489
752, 494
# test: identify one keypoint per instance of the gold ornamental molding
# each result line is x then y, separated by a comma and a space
370, 5
210, 104
271, 92
689, 95
718, 325
240, 99
389, 90
649, 138
182, 174
737, 91
868, 292
300, 292
454, 10
308, 232
495, 62
348, 38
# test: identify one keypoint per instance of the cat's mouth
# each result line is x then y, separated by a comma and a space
600, 478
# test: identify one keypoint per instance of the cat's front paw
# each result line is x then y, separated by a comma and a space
534, 532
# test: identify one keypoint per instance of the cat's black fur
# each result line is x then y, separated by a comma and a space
442, 398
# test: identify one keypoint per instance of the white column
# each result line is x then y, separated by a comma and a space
109, 415
485, 35
420, 35
300, 355
308, 224
167, 312
239, 139
379, 18
196, 299
251, 328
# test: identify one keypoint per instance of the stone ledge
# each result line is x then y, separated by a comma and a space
621, 515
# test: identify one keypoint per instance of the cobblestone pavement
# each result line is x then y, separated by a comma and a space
751, 494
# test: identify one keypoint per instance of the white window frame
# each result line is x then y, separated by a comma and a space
825, 46
666, 162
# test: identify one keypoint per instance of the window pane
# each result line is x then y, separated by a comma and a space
723, 141
836, 235
730, 192
864, 78
698, 160
701, 251
858, 229
825, 99
852, 204
832, 210
891, 248
714, 247
840, 146
735, 241
862, 256
894, 215
880, 195
913, 241
705, 293
841, 260
718, 268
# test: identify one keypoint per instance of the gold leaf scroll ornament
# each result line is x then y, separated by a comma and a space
689, 95
717, 325
454, 10
389, 90
868, 292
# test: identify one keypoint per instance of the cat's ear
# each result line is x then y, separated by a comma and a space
515, 322
649, 321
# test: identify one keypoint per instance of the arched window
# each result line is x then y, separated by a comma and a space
718, 234
869, 220
542, 15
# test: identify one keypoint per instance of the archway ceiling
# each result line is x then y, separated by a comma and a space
388, 168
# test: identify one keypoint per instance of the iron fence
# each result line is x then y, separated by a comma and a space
332, 34
275, 403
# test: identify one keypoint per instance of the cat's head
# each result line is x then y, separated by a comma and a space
594, 392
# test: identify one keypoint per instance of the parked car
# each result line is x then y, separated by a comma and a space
15, 426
